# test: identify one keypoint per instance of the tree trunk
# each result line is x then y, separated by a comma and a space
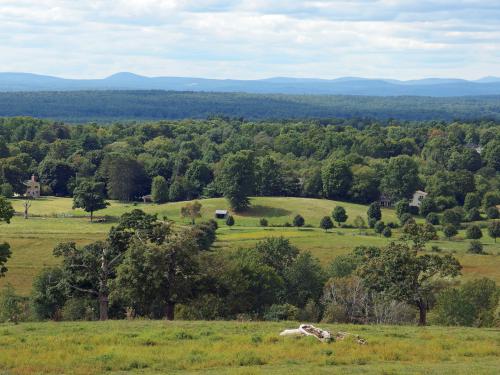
169, 311
422, 316
91, 216
103, 306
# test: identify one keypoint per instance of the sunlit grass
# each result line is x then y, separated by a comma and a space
241, 347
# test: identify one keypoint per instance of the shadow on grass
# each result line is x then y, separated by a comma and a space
264, 211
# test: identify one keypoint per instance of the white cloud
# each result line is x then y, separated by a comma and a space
251, 39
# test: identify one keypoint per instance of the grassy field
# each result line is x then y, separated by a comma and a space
153, 347
54, 221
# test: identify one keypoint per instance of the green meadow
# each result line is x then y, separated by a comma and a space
52, 220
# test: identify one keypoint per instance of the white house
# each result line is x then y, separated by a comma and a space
32, 188
417, 198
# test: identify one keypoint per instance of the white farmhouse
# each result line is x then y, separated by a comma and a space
417, 198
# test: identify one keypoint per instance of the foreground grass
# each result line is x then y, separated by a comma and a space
243, 348
54, 221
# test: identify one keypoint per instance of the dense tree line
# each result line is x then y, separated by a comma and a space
83, 106
457, 163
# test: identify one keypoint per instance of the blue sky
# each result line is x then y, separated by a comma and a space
249, 39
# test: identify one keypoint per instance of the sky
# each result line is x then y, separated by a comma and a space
252, 39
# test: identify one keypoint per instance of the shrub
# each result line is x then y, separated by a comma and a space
80, 309
443, 202
374, 211
472, 200
491, 198
11, 307
371, 222
387, 232
453, 216
6, 190
230, 221
326, 223
339, 215
405, 218
310, 313
494, 230
427, 206
402, 207
263, 222
379, 227
474, 232
475, 247
432, 218
281, 312
48, 296
473, 215
450, 231
343, 266
492, 212
298, 221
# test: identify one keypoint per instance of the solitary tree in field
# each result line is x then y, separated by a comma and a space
230, 221
450, 231
237, 178
191, 211
339, 215
494, 230
359, 223
326, 223
298, 221
89, 195
374, 211
398, 272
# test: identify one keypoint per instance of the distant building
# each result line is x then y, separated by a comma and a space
417, 198
147, 198
385, 201
220, 214
32, 188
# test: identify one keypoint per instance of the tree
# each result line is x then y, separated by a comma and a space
387, 232
401, 274
494, 230
230, 221
365, 185
337, 179
453, 216
339, 215
402, 207
432, 218
492, 212
427, 206
48, 294
473, 215
6, 190
473, 232
5, 254
419, 234
154, 274
475, 247
191, 211
125, 177
89, 195
450, 231
198, 175
269, 177
10, 305
159, 189
359, 222
6, 210
277, 252
379, 227
374, 211
56, 174
400, 178
298, 221
472, 200
326, 223
237, 178
304, 279
263, 222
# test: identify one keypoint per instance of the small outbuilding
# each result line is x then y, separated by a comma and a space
221, 214
32, 188
147, 198
417, 198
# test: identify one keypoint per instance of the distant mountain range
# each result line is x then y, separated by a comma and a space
439, 87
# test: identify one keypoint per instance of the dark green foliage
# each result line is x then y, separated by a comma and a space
49, 294
490, 199
473, 215
387, 232
419, 234
398, 272
159, 190
230, 221
6, 210
473, 232
277, 252
10, 305
56, 174
298, 221
339, 215
374, 211
494, 230
278, 313
343, 266
337, 179
492, 213
5, 254
475, 247
400, 179
326, 223
6, 190
405, 218
432, 218
89, 195
427, 206
402, 207
450, 231
453, 216
379, 227
472, 304
263, 222
237, 178
472, 200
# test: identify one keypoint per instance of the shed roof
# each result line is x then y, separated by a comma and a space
221, 212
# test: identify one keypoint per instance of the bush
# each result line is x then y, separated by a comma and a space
371, 222
11, 305
472, 200
427, 206
48, 296
379, 227
339, 215
473, 215
343, 266
475, 247
492, 212
402, 207
326, 223
491, 198
405, 218
387, 232
453, 216
281, 312
80, 309
263, 222
374, 211
443, 203
230, 221
310, 313
6, 190
432, 218
298, 221
450, 231
473, 232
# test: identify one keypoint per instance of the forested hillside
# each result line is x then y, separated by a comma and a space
83, 106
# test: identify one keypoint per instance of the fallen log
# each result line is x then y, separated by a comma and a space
321, 335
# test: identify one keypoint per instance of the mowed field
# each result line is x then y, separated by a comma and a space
54, 221
159, 347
